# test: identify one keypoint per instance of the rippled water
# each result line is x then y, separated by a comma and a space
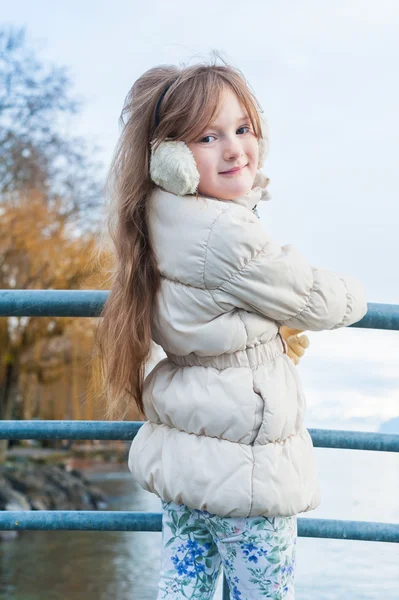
124, 565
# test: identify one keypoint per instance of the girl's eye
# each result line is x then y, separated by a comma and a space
205, 138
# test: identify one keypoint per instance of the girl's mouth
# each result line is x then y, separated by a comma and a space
233, 171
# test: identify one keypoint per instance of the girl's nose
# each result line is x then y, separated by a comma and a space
232, 149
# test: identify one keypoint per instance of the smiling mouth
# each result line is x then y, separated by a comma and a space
233, 171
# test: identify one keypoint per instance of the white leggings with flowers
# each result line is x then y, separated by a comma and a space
257, 554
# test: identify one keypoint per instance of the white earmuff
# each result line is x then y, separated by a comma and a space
263, 141
173, 167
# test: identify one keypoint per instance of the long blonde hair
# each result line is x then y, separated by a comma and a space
123, 334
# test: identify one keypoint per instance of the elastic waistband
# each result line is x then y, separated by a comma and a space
250, 357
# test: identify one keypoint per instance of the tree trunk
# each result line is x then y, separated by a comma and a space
6, 403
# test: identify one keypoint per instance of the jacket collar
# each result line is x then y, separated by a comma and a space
256, 194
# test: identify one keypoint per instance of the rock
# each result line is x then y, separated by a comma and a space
38, 503
98, 497
11, 499
32, 486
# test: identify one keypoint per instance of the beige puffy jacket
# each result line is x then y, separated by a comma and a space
225, 409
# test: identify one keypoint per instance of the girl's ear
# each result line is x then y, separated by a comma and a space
173, 168
263, 141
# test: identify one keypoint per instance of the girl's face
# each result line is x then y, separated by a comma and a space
227, 143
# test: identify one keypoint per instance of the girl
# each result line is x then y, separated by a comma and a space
224, 444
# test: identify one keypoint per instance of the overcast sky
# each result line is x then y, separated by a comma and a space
326, 74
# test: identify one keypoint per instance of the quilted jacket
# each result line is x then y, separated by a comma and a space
225, 430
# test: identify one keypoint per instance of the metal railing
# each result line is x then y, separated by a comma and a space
88, 303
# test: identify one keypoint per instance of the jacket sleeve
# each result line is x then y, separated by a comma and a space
245, 268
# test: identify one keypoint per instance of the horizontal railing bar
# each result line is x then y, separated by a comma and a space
54, 520
69, 430
354, 440
380, 316
80, 520
89, 303
366, 531
52, 303
126, 430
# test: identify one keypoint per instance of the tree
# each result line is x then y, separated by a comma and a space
49, 200
37, 251
36, 151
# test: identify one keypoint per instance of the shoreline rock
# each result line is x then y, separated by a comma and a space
29, 485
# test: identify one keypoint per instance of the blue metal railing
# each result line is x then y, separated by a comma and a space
88, 303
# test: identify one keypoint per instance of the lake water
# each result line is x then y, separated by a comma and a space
65, 565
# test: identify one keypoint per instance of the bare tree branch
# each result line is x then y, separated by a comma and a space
35, 152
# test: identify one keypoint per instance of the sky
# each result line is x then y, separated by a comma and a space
325, 74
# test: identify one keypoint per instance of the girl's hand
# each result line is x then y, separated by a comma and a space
296, 344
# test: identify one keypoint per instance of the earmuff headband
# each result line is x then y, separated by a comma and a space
156, 117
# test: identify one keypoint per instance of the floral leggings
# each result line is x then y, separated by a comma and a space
257, 553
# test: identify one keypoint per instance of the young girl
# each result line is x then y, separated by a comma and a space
224, 444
